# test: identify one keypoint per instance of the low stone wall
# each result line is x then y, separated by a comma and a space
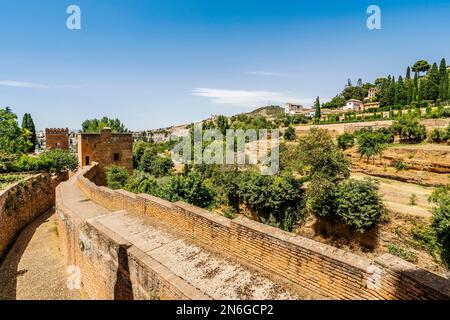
22, 203
318, 267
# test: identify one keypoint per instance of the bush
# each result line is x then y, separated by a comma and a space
438, 136
58, 161
403, 253
441, 220
425, 237
400, 166
155, 165
356, 204
371, 144
116, 177
319, 156
289, 134
272, 198
141, 182
191, 188
409, 129
345, 141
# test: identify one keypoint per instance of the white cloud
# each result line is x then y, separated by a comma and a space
21, 84
32, 85
248, 97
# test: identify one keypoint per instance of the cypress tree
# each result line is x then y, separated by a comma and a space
318, 114
432, 83
408, 73
400, 92
28, 123
442, 69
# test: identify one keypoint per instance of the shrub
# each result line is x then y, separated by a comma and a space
409, 129
400, 165
319, 156
438, 136
413, 200
356, 204
116, 177
272, 198
359, 205
58, 161
371, 144
403, 253
345, 141
289, 134
191, 188
425, 237
141, 182
155, 165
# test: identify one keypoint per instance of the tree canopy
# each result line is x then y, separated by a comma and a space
96, 125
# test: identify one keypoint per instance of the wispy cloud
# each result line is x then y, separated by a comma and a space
273, 74
248, 97
22, 84
33, 85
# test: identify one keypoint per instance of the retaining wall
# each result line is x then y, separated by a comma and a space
318, 267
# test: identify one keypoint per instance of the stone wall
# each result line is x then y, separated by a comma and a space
105, 148
318, 267
57, 139
22, 203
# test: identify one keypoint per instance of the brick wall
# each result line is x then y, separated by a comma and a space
22, 203
316, 266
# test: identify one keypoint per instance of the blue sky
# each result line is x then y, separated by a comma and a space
155, 63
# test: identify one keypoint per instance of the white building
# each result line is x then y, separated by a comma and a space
353, 105
291, 108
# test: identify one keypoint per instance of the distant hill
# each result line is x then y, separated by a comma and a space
269, 112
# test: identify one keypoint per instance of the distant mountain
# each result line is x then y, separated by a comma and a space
269, 112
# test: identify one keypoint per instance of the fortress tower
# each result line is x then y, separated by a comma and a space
57, 138
106, 148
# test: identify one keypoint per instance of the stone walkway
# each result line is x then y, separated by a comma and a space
34, 269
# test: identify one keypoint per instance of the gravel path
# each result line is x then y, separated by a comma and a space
34, 269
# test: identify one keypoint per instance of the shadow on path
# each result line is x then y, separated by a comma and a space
9, 268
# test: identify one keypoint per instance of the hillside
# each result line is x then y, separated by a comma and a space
269, 112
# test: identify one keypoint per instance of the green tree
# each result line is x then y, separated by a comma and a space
318, 113
408, 73
370, 144
442, 69
441, 220
318, 155
192, 188
421, 66
96, 125
409, 129
289, 134
12, 138
116, 177
222, 124
431, 84
28, 124
58, 161
400, 93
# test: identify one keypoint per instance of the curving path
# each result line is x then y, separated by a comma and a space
34, 268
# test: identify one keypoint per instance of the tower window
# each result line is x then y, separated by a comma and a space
116, 157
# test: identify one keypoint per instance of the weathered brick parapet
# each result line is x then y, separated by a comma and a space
318, 267
23, 202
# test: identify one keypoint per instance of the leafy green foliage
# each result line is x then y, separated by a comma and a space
28, 124
403, 253
96, 125
409, 129
318, 155
141, 182
289, 134
370, 144
58, 161
356, 204
441, 220
192, 188
276, 198
116, 177
346, 140
12, 138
